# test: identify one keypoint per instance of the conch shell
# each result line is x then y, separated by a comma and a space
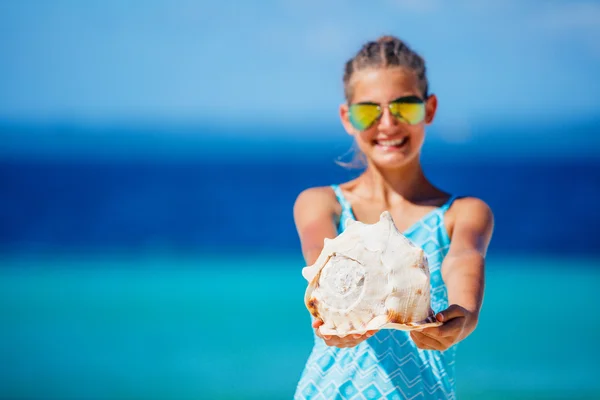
369, 277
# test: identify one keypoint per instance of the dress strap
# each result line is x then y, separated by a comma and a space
444, 207
340, 198
346, 207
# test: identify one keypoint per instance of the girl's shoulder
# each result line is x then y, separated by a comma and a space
318, 200
469, 211
317, 193
469, 205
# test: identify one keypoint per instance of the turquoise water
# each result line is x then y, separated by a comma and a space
228, 327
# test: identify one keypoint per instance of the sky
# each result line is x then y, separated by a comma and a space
272, 62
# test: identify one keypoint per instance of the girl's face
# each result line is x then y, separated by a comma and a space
391, 141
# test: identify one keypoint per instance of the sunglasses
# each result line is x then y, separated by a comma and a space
409, 109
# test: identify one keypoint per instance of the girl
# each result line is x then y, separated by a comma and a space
387, 107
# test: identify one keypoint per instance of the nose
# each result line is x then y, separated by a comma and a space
387, 120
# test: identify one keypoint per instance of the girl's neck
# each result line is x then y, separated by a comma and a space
392, 186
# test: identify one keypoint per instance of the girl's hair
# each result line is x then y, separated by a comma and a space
387, 51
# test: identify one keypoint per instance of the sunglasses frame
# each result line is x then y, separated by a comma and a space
412, 99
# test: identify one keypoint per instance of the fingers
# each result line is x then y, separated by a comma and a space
426, 342
317, 323
337, 341
450, 329
331, 340
346, 341
349, 341
454, 311
365, 335
417, 339
319, 334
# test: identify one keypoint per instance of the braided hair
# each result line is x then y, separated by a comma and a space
387, 51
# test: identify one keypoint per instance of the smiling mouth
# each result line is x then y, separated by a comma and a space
391, 144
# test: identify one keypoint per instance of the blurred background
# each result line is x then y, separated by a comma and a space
151, 152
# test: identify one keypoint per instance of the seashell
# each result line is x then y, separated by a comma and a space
369, 277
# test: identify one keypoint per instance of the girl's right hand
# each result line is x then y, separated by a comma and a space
337, 341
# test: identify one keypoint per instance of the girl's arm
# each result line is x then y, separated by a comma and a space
463, 267
463, 274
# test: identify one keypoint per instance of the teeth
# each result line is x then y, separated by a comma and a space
396, 142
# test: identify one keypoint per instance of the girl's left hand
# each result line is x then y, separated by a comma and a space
458, 322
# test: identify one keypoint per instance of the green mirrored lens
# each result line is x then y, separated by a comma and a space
362, 116
409, 112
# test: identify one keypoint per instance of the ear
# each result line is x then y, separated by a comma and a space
430, 108
345, 118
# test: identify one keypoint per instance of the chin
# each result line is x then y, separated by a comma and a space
391, 164
393, 160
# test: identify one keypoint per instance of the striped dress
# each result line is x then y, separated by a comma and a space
387, 365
